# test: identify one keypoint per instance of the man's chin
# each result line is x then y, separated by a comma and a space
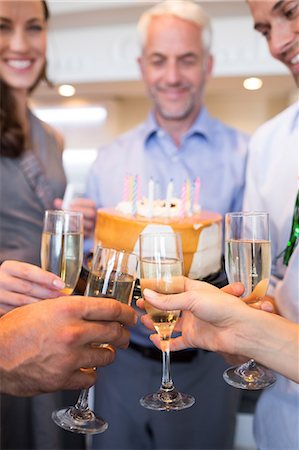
167, 114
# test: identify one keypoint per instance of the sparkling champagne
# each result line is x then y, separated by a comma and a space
171, 281
249, 262
62, 254
115, 285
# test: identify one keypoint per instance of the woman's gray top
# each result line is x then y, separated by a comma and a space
21, 211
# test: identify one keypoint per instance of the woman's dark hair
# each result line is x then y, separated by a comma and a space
46, 10
12, 138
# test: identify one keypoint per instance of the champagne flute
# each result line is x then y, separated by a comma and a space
62, 246
248, 260
112, 275
161, 269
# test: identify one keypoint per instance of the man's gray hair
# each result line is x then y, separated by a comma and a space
183, 9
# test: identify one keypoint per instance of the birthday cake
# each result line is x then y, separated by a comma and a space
201, 231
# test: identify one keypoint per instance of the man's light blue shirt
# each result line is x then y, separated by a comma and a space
210, 150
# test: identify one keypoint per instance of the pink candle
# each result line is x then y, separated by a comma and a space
134, 197
191, 209
196, 191
188, 196
130, 189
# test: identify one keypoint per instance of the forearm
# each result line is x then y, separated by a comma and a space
271, 340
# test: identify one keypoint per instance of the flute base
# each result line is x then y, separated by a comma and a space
76, 421
167, 400
249, 376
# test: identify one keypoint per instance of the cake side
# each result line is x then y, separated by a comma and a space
201, 236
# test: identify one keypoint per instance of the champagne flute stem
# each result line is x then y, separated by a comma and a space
82, 402
167, 382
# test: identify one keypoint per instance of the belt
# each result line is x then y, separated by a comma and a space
183, 356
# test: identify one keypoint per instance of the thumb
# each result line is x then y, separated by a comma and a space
165, 302
236, 289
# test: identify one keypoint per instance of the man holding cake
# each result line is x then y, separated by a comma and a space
178, 142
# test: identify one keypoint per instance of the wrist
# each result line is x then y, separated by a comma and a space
248, 334
271, 340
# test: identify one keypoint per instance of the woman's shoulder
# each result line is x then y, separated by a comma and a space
48, 130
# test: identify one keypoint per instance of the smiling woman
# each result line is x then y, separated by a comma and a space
31, 151
23, 29
32, 177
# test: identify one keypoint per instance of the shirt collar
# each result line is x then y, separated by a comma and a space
201, 126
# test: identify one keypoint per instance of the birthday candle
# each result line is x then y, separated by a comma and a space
196, 191
150, 197
192, 198
169, 197
134, 197
188, 199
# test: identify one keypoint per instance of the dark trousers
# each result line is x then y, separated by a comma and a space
208, 424
26, 423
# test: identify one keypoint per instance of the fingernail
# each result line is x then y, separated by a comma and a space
58, 283
149, 293
135, 319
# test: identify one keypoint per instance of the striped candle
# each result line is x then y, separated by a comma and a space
169, 197
188, 195
131, 181
134, 196
191, 209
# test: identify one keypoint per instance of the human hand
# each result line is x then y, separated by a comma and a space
207, 315
22, 283
234, 289
55, 338
88, 209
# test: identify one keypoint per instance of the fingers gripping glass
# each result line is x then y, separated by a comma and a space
161, 269
248, 260
113, 275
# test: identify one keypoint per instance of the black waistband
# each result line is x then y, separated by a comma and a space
184, 356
